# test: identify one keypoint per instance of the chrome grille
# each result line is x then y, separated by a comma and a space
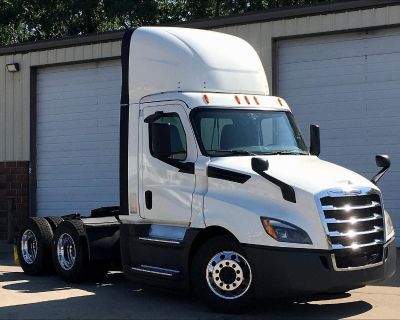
355, 228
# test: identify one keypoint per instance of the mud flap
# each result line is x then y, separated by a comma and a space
15, 255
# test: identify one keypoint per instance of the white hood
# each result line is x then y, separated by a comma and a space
307, 173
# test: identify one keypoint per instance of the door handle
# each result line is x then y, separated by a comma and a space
148, 197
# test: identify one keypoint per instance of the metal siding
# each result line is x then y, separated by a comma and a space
15, 91
350, 85
77, 137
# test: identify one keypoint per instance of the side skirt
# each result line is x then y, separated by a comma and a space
157, 254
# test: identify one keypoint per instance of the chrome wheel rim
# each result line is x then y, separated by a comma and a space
228, 275
29, 246
66, 251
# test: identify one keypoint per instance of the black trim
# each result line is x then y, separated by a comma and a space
292, 269
184, 167
228, 175
288, 192
124, 124
33, 142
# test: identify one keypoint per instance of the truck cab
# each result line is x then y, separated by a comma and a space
219, 193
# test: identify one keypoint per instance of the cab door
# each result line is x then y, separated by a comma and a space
167, 165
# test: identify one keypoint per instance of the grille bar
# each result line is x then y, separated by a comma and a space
355, 228
373, 204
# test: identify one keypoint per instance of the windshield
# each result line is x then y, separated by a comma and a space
224, 132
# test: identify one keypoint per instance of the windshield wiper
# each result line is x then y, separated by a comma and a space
285, 152
235, 152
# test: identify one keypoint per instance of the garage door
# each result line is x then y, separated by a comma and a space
349, 84
77, 137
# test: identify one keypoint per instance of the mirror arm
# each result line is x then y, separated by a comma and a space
379, 175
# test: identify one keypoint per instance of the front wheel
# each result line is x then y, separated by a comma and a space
222, 276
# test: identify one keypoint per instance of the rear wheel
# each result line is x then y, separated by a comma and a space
70, 254
222, 276
34, 246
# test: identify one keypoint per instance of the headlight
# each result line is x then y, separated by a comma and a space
389, 229
285, 232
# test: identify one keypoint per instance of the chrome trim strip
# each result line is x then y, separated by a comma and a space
158, 240
373, 204
367, 266
356, 246
354, 220
158, 271
351, 233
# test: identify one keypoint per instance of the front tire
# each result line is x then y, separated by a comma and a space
222, 276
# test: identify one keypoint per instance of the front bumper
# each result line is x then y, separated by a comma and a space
287, 272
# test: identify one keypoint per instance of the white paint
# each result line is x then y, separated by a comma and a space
182, 59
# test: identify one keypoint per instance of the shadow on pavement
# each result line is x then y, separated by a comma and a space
116, 298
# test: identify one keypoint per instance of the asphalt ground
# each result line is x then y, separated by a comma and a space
48, 297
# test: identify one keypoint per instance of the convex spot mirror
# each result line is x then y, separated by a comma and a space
315, 144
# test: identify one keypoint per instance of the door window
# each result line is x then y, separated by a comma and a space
167, 138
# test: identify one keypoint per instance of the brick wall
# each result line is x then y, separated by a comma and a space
14, 183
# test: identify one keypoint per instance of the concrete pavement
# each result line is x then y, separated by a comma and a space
25, 297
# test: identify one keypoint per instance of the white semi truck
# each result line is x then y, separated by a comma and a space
218, 191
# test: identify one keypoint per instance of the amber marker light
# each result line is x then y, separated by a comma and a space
280, 102
269, 229
247, 99
206, 99
256, 101
237, 99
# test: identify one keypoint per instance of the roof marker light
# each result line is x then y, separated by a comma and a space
206, 99
280, 102
256, 101
247, 99
237, 99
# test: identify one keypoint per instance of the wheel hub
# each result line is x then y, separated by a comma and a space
66, 251
29, 246
228, 275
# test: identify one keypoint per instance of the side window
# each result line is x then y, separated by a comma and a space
167, 138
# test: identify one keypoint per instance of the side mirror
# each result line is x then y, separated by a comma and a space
154, 117
382, 161
315, 144
259, 165
160, 139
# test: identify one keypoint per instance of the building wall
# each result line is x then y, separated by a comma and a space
15, 91
15, 102
263, 35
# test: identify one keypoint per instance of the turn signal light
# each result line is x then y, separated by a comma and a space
269, 229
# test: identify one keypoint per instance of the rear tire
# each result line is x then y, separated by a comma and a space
222, 276
70, 256
34, 246
54, 222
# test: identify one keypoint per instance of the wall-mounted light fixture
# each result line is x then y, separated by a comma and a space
12, 67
